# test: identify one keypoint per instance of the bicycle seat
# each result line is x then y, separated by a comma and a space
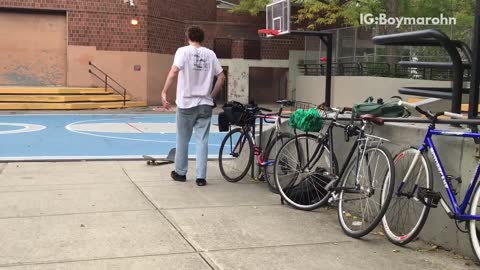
373, 119
285, 102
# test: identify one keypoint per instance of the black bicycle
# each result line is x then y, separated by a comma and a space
240, 145
307, 174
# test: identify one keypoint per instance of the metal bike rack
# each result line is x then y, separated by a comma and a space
431, 37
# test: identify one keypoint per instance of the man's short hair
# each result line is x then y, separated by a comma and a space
195, 33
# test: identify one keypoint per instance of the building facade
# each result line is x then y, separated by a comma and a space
52, 42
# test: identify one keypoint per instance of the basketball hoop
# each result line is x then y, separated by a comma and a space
268, 33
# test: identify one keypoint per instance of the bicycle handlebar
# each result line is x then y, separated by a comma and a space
454, 115
415, 107
429, 114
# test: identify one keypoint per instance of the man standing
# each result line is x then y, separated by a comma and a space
195, 66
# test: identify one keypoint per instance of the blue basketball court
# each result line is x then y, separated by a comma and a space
92, 137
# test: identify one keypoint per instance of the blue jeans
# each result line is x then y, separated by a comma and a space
195, 119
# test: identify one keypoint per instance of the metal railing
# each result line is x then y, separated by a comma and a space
107, 80
434, 38
399, 70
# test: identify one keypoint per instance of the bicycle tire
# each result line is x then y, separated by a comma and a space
297, 191
349, 216
270, 154
393, 218
231, 157
473, 231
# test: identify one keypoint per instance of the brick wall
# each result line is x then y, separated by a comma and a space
106, 24
106, 31
278, 48
164, 35
184, 10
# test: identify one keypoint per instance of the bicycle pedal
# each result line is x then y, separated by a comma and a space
429, 197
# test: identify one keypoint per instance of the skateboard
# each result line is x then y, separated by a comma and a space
161, 161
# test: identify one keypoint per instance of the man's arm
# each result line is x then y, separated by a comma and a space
218, 85
172, 76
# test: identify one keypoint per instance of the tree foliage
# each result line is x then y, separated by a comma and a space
314, 14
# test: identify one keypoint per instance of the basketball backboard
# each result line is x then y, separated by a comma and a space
278, 16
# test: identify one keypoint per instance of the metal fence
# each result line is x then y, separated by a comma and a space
355, 54
380, 70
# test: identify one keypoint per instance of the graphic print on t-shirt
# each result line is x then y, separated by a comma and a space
200, 62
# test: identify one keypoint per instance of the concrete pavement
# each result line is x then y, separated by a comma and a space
127, 215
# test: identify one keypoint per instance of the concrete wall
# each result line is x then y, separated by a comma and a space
457, 157
294, 72
35, 53
119, 65
158, 67
145, 84
347, 90
239, 73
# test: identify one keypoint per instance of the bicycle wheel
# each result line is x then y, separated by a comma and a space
474, 225
366, 191
270, 154
236, 155
304, 188
406, 214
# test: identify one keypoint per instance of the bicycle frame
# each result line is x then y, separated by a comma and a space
456, 211
328, 140
257, 148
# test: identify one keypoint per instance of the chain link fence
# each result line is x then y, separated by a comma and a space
354, 53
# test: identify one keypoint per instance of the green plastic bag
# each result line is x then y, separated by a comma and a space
307, 121
389, 108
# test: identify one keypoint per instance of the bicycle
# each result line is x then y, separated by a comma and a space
307, 175
415, 189
239, 146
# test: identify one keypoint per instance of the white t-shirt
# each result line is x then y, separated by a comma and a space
198, 66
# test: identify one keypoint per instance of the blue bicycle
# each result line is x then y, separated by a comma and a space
414, 195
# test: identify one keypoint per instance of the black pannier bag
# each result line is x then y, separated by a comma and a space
223, 123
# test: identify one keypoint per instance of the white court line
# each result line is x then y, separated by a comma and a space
25, 128
69, 127
121, 157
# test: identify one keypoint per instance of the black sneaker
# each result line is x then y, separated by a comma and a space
177, 177
201, 182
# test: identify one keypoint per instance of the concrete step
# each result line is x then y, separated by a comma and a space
54, 91
61, 98
70, 106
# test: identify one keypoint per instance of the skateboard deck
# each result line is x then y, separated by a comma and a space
161, 161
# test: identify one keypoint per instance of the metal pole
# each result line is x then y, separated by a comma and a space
327, 38
336, 45
328, 81
475, 72
320, 50
375, 29
355, 44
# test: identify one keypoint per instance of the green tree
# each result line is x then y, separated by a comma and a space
314, 14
